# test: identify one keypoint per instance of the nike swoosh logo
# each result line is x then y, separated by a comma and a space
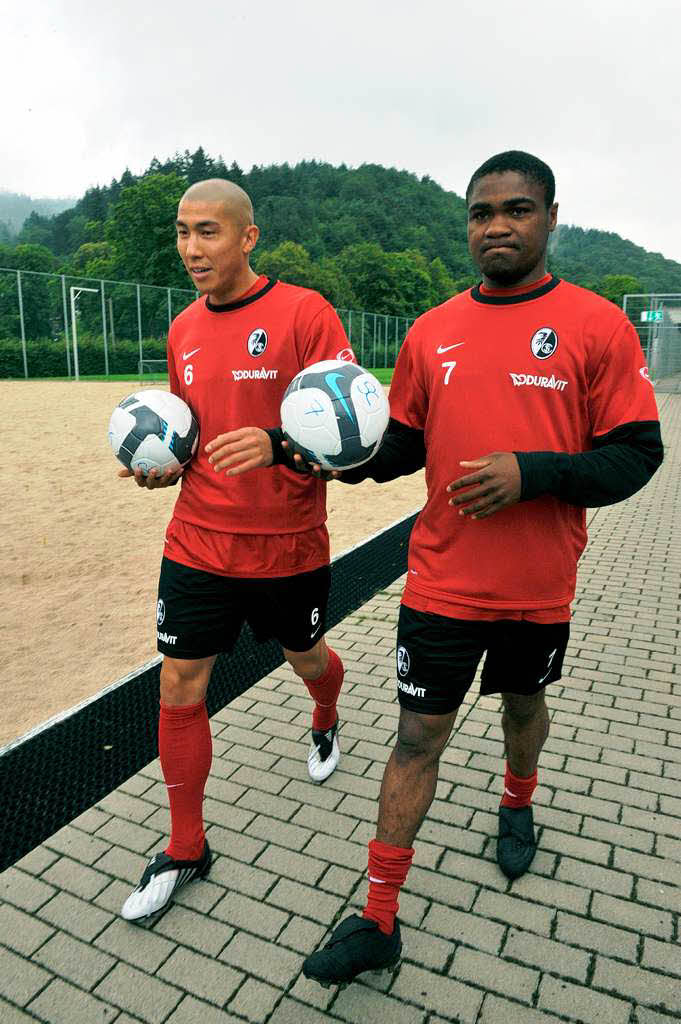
313, 635
331, 379
441, 349
186, 355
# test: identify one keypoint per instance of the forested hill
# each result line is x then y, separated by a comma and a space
15, 207
369, 237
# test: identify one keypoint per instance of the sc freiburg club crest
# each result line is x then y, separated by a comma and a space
257, 342
544, 342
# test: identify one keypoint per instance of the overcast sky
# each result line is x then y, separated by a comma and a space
594, 88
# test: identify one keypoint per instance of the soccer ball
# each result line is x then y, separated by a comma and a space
335, 414
153, 430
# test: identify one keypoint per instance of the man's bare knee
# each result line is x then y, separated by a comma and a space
185, 681
521, 708
422, 737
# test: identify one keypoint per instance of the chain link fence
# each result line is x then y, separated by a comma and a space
59, 325
657, 319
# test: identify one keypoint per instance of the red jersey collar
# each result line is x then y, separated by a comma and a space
259, 288
521, 293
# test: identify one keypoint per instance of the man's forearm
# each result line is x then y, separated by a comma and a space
620, 463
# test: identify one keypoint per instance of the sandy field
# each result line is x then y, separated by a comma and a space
80, 548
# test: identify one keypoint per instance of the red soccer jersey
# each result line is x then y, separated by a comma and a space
545, 369
232, 364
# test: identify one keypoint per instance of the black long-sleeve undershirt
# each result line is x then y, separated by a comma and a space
620, 463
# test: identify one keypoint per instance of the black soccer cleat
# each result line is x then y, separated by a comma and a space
356, 945
517, 843
162, 877
324, 753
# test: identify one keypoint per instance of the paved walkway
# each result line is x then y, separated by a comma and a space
590, 934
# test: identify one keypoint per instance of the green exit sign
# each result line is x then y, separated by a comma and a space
650, 316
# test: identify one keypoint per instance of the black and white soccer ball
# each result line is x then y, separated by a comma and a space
153, 429
335, 413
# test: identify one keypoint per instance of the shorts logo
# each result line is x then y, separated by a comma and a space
645, 373
413, 691
403, 661
257, 342
160, 612
346, 355
544, 342
165, 637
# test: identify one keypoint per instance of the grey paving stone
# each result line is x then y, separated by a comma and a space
21, 979
255, 1000
234, 845
642, 986
252, 916
547, 955
358, 1005
61, 1003
12, 1015
650, 867
136, 944
510, 910
591, 876
23, 890
304, 900
194, 1011
302, 935
74, 960
140, 994
464, 927
593, 935
78, 845
494, 973
246, 878
35, 862
662, 956
495, 1010
435, 992
582, 1004
21, 932
74, 916
201, 975
257, 957
195, 930
76, 878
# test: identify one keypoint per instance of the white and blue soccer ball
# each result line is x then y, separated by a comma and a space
153, 429
335, 413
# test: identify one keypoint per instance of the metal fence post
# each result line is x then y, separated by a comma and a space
362, 338
112, 329
106, 350
21, 323
350, 327
139, 325
66, 324
170, 309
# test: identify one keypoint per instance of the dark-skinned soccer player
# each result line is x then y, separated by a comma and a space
527, 400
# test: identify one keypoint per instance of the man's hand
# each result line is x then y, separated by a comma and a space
495, 483
240, 450
309, 468
153, 481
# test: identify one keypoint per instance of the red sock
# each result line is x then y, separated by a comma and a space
186, 749
324, 692
518, 792
388, 867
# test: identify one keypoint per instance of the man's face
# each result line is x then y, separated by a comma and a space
214, 248
508, 228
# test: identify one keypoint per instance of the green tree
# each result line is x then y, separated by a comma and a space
141, 232
616, 286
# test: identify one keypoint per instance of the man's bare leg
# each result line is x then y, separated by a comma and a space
410, 776
525, 723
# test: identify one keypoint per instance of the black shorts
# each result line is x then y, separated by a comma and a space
437, 658
200, 613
